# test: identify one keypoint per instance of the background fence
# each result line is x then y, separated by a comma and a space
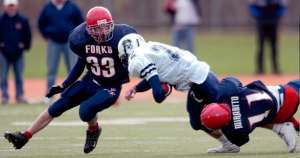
219, 14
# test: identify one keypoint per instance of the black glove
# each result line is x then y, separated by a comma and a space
54, 90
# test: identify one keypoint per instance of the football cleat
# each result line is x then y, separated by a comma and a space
225, 148
288, 133
91, 140
16, 138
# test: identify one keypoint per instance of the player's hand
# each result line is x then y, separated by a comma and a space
167, 88
130, 94
54, 90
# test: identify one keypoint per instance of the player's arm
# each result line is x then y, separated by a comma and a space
72, 77
143, 68
142, 86
75, 72
159, 90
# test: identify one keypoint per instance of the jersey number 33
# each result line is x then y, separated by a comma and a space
104, 67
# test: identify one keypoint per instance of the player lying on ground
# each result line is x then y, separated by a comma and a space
158, 63
241, 109
96, 44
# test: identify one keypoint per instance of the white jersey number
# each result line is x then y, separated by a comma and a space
106, 69
173, 55
251, 98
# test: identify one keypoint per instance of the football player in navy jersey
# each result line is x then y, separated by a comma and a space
243, 108
96, 44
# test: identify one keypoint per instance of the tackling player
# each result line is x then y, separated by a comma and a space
241, 109
162, 67
96, 43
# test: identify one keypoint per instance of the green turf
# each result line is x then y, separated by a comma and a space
227, 53
141, 141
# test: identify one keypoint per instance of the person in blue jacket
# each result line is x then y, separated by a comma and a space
57, 19
15, 37
267, 14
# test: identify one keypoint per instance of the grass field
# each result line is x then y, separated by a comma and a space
136, 129
144, 129
227, 53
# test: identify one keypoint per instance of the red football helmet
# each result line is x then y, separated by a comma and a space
100, 24
216, 116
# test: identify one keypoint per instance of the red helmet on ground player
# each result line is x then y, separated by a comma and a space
100, 24
216, 116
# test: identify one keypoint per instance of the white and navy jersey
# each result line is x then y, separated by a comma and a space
175, 66
251, 106
101, 59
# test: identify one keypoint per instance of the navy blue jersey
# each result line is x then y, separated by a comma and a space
101, 59
251, 106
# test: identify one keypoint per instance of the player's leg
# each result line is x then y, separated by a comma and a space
295, 84
286, 132
70, 98
284, 123
103, 99
206, 91
290, 102
296, 123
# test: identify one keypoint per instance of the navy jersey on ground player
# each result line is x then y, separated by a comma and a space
251, 106
101, 60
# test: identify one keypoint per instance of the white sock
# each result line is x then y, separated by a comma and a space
223, 140
276, 128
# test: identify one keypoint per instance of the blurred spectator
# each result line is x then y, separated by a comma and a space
15, 37
169, 8
267, 14
185, 15
57, 19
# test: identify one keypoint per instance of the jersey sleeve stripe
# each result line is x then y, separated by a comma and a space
148, 72
149, 66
